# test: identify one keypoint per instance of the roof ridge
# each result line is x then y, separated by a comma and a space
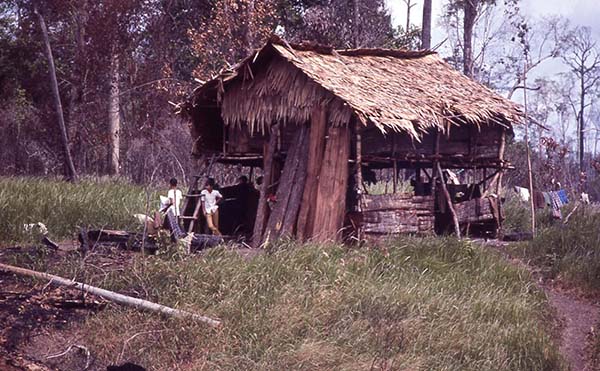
357, 52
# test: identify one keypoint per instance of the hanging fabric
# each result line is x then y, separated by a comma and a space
523, 193
556, 205
547, 198
562, 194
538, 200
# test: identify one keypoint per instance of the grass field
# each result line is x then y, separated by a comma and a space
64, 207
570, 252
411, 303
417, 304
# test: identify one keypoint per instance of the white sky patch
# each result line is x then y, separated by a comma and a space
579, 12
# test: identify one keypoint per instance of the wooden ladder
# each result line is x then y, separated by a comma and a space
193, 193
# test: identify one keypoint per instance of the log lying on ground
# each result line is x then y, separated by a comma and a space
124, 239
112, 296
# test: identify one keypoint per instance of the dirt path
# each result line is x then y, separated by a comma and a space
579, 317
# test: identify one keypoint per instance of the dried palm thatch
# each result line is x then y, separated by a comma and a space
394, 90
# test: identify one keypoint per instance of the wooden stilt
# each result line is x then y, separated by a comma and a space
358, 176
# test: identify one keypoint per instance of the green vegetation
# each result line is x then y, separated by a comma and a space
412, 303
64, 207
570, 252
422, 304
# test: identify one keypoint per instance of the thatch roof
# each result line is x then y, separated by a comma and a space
392, 89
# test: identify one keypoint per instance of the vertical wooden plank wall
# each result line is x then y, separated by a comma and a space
316, 146
330, 205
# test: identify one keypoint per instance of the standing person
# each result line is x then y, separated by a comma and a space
174, 196
210, 198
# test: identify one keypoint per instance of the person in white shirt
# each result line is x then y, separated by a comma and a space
174, 196
210, 198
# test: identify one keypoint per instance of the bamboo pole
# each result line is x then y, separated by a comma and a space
112, 296
529, 172
359, 178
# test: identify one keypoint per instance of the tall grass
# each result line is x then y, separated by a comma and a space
518, 215
64, 207
415, 304
570, 251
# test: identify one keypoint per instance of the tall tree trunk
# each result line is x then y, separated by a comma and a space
356, 33
70, 168
470, 12
114, 117
582, 122
426, 26
80, 18
409, 6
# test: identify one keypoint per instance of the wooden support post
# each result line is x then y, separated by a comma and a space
499, 178
358, 175
501, 158
395, 164
449, 201
359, 179
262, 212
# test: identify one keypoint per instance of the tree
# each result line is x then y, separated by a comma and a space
426, 26
344, 24
234, 29
470, 14
70, 168
409, 6
583, 58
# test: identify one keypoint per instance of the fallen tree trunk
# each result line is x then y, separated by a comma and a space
112, 296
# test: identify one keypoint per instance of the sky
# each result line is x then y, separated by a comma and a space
579, 12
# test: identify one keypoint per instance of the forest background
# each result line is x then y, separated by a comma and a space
121, 66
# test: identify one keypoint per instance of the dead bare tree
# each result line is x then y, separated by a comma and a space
583, 59
409, 5
70, 168
114, 117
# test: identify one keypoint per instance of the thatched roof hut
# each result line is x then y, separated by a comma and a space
380, 108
